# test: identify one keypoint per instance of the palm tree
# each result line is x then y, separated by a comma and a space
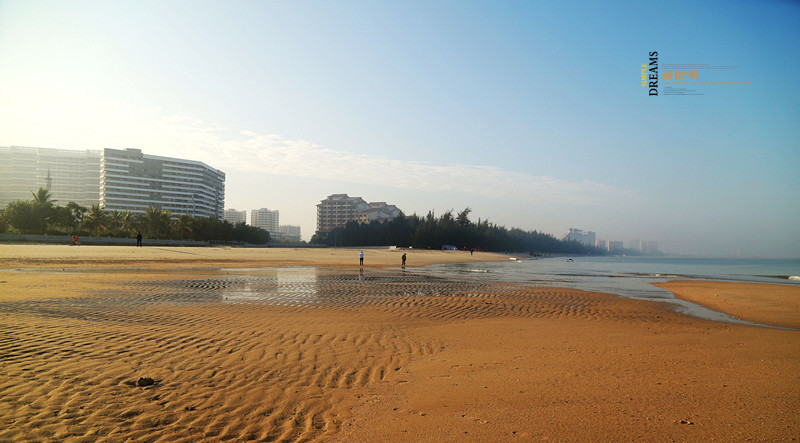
116, 221
43, 197
96, 219
183, 225
129, 222
158, 222
42, 208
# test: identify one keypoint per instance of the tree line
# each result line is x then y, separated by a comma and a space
431, 232
41, 215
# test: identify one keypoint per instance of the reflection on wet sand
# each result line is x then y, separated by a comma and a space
285, 286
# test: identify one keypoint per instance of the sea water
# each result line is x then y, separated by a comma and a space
630, 277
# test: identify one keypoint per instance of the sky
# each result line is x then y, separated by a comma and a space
530, 113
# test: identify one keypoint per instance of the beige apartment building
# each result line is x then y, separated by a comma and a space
338, 209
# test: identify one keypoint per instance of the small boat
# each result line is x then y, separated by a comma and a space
569, 260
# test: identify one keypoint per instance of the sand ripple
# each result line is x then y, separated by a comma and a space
246, 357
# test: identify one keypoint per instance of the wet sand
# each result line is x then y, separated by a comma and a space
333, 354
53, 256
777, 306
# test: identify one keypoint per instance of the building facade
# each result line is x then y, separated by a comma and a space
377, 211
339, 209
233, 216
266, 219
636, 245
132, 181
336, 210
586, 237
615, 247
70, 176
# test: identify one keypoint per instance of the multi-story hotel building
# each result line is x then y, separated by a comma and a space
233, 216
115, 179
377, 211
70, 176
132, 181
265, 219
338, 209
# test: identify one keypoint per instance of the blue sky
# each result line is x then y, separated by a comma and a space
530, 112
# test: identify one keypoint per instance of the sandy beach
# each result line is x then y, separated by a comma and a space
205, 344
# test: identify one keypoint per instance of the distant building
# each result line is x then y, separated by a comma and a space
586, 237
651, 247
133, 181
289, 232
602, 244
336, 210
378, 211
615, 247
70, 176
339, 209
266, 219
114, 179
636, 245
233, 216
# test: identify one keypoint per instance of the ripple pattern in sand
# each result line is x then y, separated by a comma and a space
236, 357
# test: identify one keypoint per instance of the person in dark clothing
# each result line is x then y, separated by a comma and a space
404, 259
138, 239
361, 258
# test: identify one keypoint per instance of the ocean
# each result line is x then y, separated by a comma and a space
630, 277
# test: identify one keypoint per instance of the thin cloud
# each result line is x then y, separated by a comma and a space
274, 154
114, 124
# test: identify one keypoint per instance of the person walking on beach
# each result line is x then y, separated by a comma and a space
404, 259
361, 258
138, 239
74, 240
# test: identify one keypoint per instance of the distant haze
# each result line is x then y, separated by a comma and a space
530, 113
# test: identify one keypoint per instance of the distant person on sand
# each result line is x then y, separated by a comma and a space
361, 258
138, 239
471, 251
74, 240
404, 259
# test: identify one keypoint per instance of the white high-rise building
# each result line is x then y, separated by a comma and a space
70, 176
233, 216
265, 219
132, 181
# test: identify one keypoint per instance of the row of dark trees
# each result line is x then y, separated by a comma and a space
431, 232
41, 215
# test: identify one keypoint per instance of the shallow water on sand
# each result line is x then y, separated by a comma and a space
323, 287
630, 277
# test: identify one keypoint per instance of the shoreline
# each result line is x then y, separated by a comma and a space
771, 304
53, 256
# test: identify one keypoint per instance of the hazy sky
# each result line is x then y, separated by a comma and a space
531, 113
